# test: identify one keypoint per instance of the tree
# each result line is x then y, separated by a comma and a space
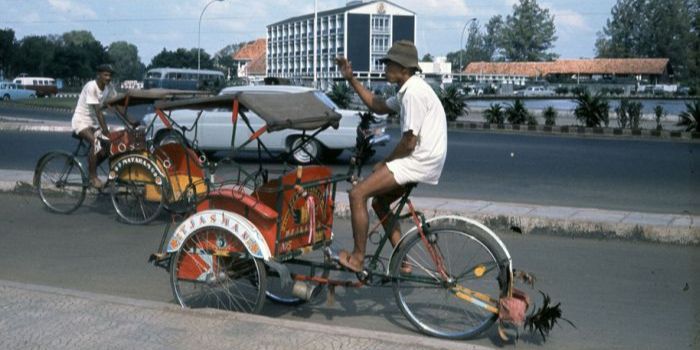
34, 55
475, 49
341, 95
8, 46
591, 110
181, 58
653, 28
427, 58
528, 33
125, 57
452, 102
492, 39
77, 55
690, 119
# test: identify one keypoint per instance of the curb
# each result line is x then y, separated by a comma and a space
570, 130
563, 221
335, 331
38, 108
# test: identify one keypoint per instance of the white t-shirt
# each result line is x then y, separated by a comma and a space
422, 113
84, 115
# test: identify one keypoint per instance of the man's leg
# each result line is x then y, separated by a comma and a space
88, 134
380, 181
382, 206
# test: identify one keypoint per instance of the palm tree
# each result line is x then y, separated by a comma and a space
591, 110
550, 116
691, 117
452, 102
341, 95
494, 114
517, 113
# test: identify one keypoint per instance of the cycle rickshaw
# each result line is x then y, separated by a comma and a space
243, 246
143, 178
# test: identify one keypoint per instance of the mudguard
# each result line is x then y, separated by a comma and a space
238, 225
453, 218
131, 158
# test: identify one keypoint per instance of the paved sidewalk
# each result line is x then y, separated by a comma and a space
527, 218
38, 317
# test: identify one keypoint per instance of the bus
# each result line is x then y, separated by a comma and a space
44, 87
183, 79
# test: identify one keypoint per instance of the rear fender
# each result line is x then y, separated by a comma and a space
238, 225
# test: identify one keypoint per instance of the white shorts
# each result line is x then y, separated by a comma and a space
79, 125
407, 170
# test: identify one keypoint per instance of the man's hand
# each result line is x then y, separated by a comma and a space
345, 67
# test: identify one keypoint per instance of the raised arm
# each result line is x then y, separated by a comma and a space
375, 103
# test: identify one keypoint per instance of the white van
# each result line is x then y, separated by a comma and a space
42, 85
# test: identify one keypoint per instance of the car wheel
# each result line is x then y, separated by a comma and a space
307, 153
6, 98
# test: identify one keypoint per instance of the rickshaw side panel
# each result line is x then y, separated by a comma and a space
183, 168
235, 200
295, 209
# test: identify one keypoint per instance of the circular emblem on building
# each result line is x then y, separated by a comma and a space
380, 8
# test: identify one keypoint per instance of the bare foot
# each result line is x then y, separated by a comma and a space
349, 261
96, 183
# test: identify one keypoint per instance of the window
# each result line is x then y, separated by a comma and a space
380, 23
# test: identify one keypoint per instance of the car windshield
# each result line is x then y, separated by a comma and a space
327, 101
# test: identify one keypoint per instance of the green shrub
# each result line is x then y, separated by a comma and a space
577, 90
591, 110
561, 90
659, 112
517, 113
690, 119
340, 94
622, 117
634, 111
550, 116
495, 114
452, 102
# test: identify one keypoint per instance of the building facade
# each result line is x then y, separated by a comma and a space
361, 31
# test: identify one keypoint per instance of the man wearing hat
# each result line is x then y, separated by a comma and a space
418, 157
88, 121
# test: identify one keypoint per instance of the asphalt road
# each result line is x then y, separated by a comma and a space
620, 295
616, 174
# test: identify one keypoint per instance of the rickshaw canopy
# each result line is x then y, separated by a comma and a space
300, 111
140, 97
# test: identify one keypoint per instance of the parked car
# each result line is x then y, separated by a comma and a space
213, 132
11, 91
535, 91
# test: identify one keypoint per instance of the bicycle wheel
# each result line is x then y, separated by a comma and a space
61, 182
137, 195
213, 269
471, 258
280, 295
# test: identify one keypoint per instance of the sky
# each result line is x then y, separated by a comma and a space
156, 24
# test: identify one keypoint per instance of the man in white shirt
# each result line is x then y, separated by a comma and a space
88, 121
419, 156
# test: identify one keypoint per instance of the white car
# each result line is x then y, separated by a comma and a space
11, 91
535, 91
214, 128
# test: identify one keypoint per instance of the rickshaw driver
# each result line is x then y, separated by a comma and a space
88, 120
418, 157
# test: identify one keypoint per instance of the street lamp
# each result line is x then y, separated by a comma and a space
199, 35
461, 46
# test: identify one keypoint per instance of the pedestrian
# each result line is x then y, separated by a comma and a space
88, 120
419, 156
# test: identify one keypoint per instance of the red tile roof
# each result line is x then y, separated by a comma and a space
251, 50
583, 66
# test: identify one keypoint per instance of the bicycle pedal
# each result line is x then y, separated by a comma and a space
331, 254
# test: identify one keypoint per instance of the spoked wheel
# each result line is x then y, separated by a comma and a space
436, 303
213, 269
61, 182
277, 294
137, 194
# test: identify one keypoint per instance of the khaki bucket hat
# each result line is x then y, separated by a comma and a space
404, 53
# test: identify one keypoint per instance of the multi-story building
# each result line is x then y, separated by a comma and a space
361, 31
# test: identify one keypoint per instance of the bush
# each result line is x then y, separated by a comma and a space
578, 90
494, 114
621, 110
452, 102
634, 111
341, 95
690, 119
561, 90
550, 116
489, 90
659, 112
591, 110
517, 113
617, 91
